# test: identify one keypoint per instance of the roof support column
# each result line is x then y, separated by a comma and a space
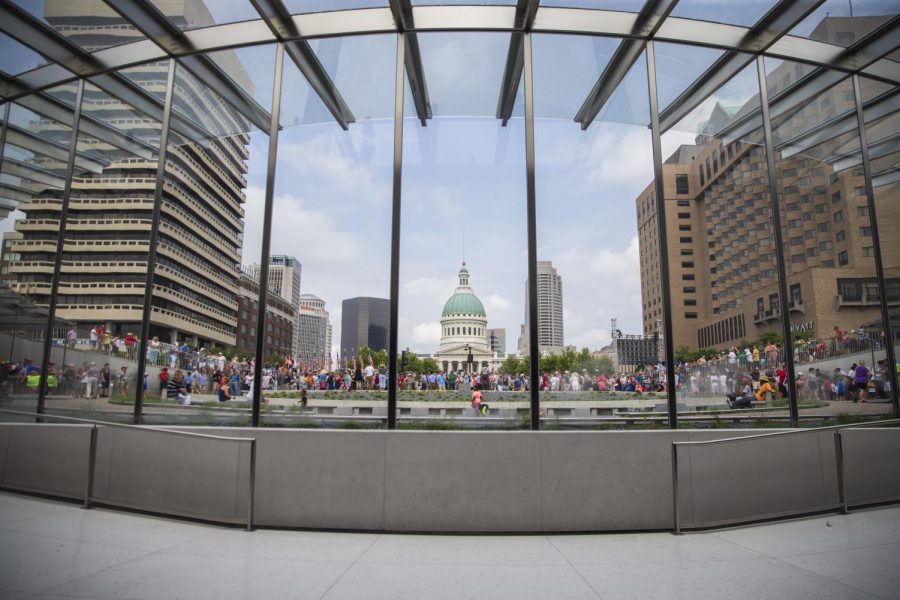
534, 351
879, 262
779, 244
393, 374
267, 236
660, 191
60, 246
154, 241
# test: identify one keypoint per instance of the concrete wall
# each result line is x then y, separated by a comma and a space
455, 481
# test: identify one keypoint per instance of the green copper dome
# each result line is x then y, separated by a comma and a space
465, 304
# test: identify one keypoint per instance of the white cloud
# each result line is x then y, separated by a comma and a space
313, 236
495, 303
620, 156
593, 339
427, 335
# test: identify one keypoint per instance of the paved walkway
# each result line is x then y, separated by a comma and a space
56, 550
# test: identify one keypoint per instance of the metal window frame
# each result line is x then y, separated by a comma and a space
147, 19
781, 265
646, 24
60, 247
663, 239
526, 10
412, 58
279, 21
774, 25
147, 309
876, 243
264, 259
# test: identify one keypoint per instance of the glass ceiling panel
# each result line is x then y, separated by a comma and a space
566, 67
679, 65
463, 71
462, 2
16, 58
843, 22
193, 14
629, 103
620, 5
251, 68
729, 104
357, 66
90, 24
118, 116
298, 7
746, 12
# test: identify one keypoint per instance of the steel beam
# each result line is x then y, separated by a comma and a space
272, 162
774, 25
17, 168
881, 106
415, 72
34, 33
653, 13
860, 55
663, 237
48, 106
278, 18
23, 138
146, 311
515, 59
155, 26
775, 204
876, 244
60, 247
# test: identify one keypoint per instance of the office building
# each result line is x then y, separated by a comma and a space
313, 335
279, 319
496, 337
284, 277
550, 311
364, 324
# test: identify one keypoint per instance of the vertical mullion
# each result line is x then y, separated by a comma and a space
531, 208
60, 245
162, 156
879, 264
779, 244
3, 132
267, 236
393, 342
662, 234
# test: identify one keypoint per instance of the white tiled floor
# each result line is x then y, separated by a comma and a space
52, 549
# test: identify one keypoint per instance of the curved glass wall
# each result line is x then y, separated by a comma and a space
699, 215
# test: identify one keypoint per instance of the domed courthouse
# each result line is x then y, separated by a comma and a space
464, 330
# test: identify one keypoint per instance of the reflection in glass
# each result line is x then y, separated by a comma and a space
34, 162
827, 236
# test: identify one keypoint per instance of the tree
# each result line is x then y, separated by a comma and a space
511, 366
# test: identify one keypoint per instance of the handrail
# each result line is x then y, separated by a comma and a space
792, 431
92, 460
838, 448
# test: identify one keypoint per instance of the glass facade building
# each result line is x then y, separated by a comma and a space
717, 180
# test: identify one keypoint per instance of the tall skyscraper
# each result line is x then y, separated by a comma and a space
496, 338
364, 322
107, 233
550, 311
313, 330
